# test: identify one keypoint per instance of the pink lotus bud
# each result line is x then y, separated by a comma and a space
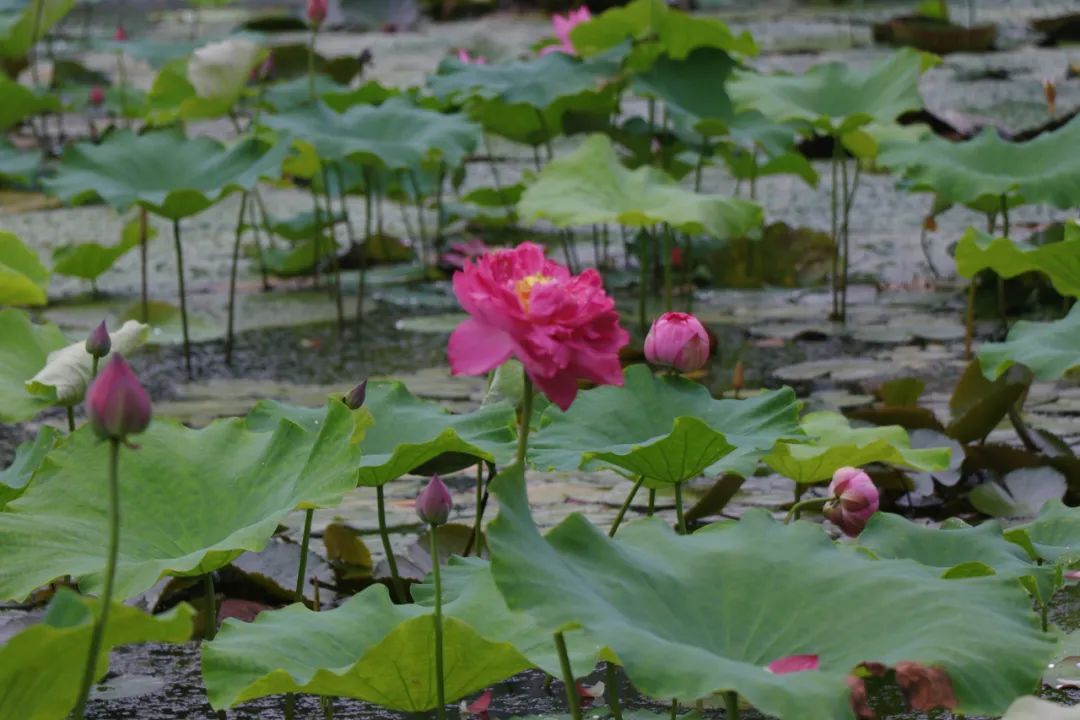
116, 403
98, 342
679, 340
354, 399
433, 503
121, 34
854, 499
316, 12
97, 95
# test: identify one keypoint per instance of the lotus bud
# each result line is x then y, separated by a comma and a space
121, 34
116, 403
1050, 93
354, 399
433, 503
98, 342
679, 340
316, 12
97, 95
854, 498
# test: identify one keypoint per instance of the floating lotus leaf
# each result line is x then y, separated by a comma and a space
371, 649
22, 24
590, 186
406, 432
1060, 261
66, 374
1048, 349
665, 428
28, 456
190, 500
126, 169
1054, 536
89, 260
835, 444
835, 97
983, 169
24, 349
41, 667
396, 134
23, 279
676, 611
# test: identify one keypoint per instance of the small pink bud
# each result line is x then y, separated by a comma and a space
116, 403
433, 503
97, 95
121, 34
354, 399
854, 499
316, 12
98, 342
679, 340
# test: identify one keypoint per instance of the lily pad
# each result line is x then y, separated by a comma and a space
590, 186
835, 444
667, 429
24, 349
40, 668
1021, 494
1060, 261
1048, 349
23, 279
190, 500
651, 596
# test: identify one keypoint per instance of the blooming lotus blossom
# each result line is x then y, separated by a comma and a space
316, 12
679, 340
854, 499
97, 95
469, 59
562, 26
433, 504
116, 403
561, 327
793, 664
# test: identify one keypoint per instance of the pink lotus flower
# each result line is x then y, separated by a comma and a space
792, 664
469, 59
121, 34
97, 95
562, 26
433, 504
316, 12
679, 340
854, 499
98, 343
561, 327
116, 403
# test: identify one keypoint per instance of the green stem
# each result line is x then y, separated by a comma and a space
524, 421
305, 541
211, 607
731, 702
835, 225
230, 324
476, 541
334, 264
93, 366
391, 561
144, 237
612, 686
440, 711
652, 502
797, 508
421, 223
311, 63
183, 295
110, 573
572, 698
643, 281
679, 509
666, 259
674, 708
545, 132
361, 288
327, 708
71, 418
626, 506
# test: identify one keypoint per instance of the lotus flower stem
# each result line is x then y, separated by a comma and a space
144, 237
334, 264
611, 684
524, 421
731, 702
476, 540
652, 502
667, 267
969, 318
849, 199
361, 289
674, 708
420, 218
305, 541
536, 157
110, 574
835, 225
546, 133
572, 699
316, 237
643, 277
439, 206
796, 509
1000, 279
626, 506
230, 323
71, 417
261, 206
183, 295
433, 535
210, 631
391, 561
680, 517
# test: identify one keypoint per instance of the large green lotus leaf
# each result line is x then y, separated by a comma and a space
368, 648
190, 500
23, 279
66, 374
126, 169
987, 167
24, 349
523, 123
590, 186
671, 31
1060, 261
1048, 349
1054, 536
89, 260
219, 73
21, 102
689, 616
665, 428
395, 134
28, 458
406, 432
836, 97
41, 667
693, 87
835, 444
19, 21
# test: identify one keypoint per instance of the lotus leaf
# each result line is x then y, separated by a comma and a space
28, 457
22, 24
395, 134
126, 168
408, 432
89, 260
219, 73
18, 164
835, 444
590, 186
1049, 349
1021, 493
1060, 261
665, 428
24, 349
21, 102
66, 374
40, 668
835, 97
23, 279
1054, 536
371, 649
692, 89
190, 500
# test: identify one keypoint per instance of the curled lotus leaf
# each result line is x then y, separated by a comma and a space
1059, 261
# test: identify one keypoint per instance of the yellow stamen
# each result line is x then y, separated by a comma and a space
524, 287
